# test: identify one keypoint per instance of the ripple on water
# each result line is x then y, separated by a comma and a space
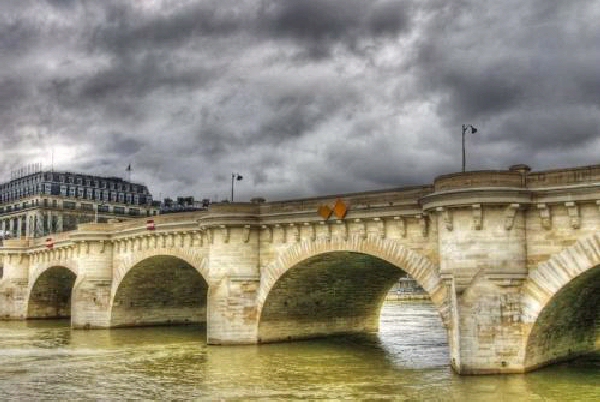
407, 360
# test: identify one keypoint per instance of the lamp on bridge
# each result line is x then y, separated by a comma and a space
236, 177
466, 127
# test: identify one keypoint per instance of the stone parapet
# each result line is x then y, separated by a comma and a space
477, 179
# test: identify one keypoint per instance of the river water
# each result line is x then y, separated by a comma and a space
407, 360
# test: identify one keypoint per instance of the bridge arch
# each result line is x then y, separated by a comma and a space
123, 263
160, 289
50, 291
348, 267
561, 305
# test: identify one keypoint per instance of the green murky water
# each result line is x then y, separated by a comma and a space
407, 360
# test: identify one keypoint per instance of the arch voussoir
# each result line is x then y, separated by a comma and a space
416, 265
552, 275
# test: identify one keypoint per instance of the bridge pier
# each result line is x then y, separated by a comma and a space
92, 293
234, 281
232, 311
14, 290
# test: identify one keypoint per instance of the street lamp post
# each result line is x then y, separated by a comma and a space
236, 177
465, 127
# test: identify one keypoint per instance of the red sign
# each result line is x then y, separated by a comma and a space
150, 224
49, 243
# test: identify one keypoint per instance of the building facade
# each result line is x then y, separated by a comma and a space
48, 202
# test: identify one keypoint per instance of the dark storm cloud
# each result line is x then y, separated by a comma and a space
530, 73
320, 25
290, 115
136, 77
121, 144
302, 97
125, 30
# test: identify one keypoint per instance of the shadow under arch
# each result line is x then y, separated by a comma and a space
160, 290
50, 294
327, 294
568, 325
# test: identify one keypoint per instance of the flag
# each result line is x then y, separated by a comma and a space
239, 177
473, 130
128, 168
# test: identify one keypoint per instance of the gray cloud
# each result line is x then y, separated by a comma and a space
301, 97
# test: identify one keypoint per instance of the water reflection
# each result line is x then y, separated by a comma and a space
407, 360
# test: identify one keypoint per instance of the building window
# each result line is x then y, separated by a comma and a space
72, 191
63, 190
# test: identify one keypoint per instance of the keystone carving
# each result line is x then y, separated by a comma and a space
545, 216
423, 224
573, 210
446, 217
246, 233
401, 225
477, 217
311, 231
361, 228
225, 232
294, 232
281, 238
509, 216
380, 228
343, 229
327, 235
268, 232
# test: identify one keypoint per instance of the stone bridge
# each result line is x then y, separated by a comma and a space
509, 258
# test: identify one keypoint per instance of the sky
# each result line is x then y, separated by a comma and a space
300, 97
